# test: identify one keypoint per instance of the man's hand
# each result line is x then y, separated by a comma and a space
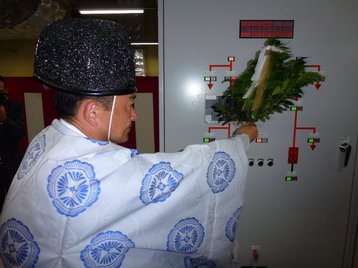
2, 113
249, 130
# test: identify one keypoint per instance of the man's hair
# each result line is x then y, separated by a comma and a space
66, 104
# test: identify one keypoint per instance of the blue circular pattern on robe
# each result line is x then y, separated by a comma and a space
220, 172
159, 183
231, 225
186, 237
106, 250
134, 152
35, 150
73, 187
17, 245
101, 143
199, 262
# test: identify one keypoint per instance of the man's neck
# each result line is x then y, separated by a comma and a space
72, 127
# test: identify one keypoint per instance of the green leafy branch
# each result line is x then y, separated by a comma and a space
281, 82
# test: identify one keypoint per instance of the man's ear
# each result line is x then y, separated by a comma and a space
91, 112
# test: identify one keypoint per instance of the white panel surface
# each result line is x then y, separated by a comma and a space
34, 114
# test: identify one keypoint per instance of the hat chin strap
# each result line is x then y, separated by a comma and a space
110, 119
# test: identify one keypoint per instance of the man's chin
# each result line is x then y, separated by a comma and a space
123, 140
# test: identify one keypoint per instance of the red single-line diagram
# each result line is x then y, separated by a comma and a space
228, 129
293, 150
231, 59
318, 67
210, 84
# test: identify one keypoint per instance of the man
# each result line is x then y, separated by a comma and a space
80, 200
11, 133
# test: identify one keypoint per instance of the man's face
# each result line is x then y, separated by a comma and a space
2, 86
3, 96
123, 116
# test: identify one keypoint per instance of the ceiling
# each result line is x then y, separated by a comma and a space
24, 19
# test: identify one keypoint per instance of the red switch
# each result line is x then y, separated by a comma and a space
255, 255
292, 155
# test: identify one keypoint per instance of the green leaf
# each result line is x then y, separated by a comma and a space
277, 90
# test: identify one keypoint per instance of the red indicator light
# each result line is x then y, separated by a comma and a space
231, 58
231, 78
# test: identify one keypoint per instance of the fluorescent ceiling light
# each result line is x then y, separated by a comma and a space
112, 11
145, 44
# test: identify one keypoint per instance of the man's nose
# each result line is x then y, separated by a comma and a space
134, 115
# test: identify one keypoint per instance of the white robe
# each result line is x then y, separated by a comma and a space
78, 202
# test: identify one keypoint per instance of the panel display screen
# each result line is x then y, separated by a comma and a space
266, 28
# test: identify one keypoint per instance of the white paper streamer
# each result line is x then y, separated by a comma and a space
258, 69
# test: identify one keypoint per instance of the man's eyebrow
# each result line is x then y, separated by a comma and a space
133, 97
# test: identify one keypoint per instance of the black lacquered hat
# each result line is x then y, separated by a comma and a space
85, 57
